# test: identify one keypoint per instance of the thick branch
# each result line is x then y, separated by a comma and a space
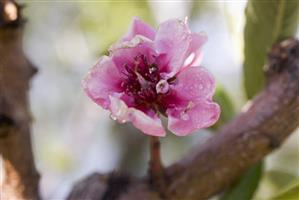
20, 175
269, 119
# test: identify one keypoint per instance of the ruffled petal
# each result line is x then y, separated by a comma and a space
138, 27
189, 103
125, 53
196, 115
194, 83
101, 81
148, 124
175, 39
194, 52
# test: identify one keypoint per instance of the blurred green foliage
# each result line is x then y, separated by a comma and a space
275, 182
105, 21
290, 192
199, 7
266, 23
227, 107
280, 179
247, 185
58, 157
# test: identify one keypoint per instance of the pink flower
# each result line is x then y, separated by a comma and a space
150, 72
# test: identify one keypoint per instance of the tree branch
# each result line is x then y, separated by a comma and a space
20, 176
267, 121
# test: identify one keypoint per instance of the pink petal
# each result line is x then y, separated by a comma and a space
190, 105
101, 81
194, 83
126, 52
174, 39
194, 116
138, 27
148, 124
194, 52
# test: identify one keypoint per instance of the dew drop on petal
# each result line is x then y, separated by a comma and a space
184, 116
122, 121
113, 117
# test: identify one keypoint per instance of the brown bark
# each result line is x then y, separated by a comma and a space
20, 175
210, 168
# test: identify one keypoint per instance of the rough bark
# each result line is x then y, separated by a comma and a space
20, 175
259, 129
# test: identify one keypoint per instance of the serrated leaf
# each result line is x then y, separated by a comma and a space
246, 187
267, 22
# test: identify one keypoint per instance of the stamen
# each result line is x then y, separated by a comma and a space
143, 81
162, 87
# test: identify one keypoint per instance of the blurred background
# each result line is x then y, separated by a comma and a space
73, 137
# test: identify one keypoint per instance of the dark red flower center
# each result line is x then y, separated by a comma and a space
141, 80
144, 83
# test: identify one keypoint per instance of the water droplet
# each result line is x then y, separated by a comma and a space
113, 117
184, 116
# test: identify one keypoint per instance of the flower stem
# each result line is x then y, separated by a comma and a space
156, 170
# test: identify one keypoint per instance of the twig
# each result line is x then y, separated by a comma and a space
156, 170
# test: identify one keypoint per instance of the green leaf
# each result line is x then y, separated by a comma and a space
291, 192
246, 187
267, 22
273, 182
227, 107
279, 179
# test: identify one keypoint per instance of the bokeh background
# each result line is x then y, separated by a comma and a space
73, 137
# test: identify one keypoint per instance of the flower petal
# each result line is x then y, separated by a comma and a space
194, 52
184, 121
126, 53
148, 124
138, 27
194, 83
101, 81
175, 39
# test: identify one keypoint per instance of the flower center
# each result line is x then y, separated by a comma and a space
143, 81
